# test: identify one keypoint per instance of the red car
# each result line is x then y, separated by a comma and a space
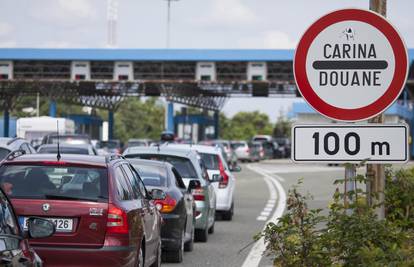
103, 214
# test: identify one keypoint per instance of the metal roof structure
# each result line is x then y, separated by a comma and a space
155, 72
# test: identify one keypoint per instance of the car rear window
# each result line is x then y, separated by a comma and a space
64, 150
136, 143
3, 153
107, 144
55, 182
72, 140
183, 165
210, 161
237, 145
152, 175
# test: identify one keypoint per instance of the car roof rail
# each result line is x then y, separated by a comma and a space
16, 153
13, 140
112, 157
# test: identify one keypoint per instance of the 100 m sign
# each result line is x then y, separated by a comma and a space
350, 143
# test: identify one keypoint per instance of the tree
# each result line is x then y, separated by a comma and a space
139, 119
244, 125
282, 127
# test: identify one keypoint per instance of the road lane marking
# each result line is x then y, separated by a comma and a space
265, 213
262, 218
272, 192
255, 254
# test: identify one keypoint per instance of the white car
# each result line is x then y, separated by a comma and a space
242, 150
217, 169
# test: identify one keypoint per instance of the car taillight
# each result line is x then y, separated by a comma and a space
117, 221
165, 205
225, 181
198, 194
248, 150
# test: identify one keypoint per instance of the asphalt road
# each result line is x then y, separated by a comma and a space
224, 245
229, 245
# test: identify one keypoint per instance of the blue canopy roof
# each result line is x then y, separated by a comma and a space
147, 54
152, 54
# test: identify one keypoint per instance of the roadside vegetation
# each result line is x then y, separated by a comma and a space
350, 234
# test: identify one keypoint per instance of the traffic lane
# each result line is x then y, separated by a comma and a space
317, 179
225, 246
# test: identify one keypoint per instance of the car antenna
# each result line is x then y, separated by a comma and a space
58, 156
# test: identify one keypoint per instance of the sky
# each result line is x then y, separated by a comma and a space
228, 24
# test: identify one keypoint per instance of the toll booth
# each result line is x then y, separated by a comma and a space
194, 127
87, 124
80, 70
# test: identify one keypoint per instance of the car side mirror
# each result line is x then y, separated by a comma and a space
40, 228
157, 194
236, 169
216, 178
194, 184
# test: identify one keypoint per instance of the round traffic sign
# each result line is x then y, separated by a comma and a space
351, 65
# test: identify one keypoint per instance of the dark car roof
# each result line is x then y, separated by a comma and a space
71, 158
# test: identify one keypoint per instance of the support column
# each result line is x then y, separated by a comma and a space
216, 124
52, 109
110, 124
170, 117
6, 121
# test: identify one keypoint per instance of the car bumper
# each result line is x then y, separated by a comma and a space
105, 256
171, 231
223, 198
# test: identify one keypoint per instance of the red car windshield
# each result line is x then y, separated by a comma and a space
54, 182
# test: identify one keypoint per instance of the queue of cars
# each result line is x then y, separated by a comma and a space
72, 207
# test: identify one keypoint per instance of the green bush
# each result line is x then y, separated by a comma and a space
351, 234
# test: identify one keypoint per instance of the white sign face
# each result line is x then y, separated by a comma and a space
351, 65
340, 143
349, 59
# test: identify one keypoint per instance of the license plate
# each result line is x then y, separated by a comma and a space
62, 224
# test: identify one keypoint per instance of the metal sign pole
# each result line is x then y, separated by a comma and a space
375, 172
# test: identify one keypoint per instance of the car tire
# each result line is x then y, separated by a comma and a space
175, 256
140, 260
211, 229
157, 262
189, 245
201, 235
228, 215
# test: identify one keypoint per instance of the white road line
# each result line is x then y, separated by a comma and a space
272, 192
262, 218
268, 209
265, 213
255, 254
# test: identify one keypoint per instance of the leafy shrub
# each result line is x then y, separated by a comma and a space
351, 235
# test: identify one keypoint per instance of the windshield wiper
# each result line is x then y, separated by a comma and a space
51, 196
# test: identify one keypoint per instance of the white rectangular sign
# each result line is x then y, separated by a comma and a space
340, 143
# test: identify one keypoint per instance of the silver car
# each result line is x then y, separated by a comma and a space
186, 162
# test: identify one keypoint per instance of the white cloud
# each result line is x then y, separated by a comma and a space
5, 28
267, 40
278, 39
78, 8
65, 12
225, 13
8, 44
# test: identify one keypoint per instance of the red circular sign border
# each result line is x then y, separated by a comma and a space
382, 103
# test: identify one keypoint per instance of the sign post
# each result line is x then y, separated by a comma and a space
350, 66
376, 173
